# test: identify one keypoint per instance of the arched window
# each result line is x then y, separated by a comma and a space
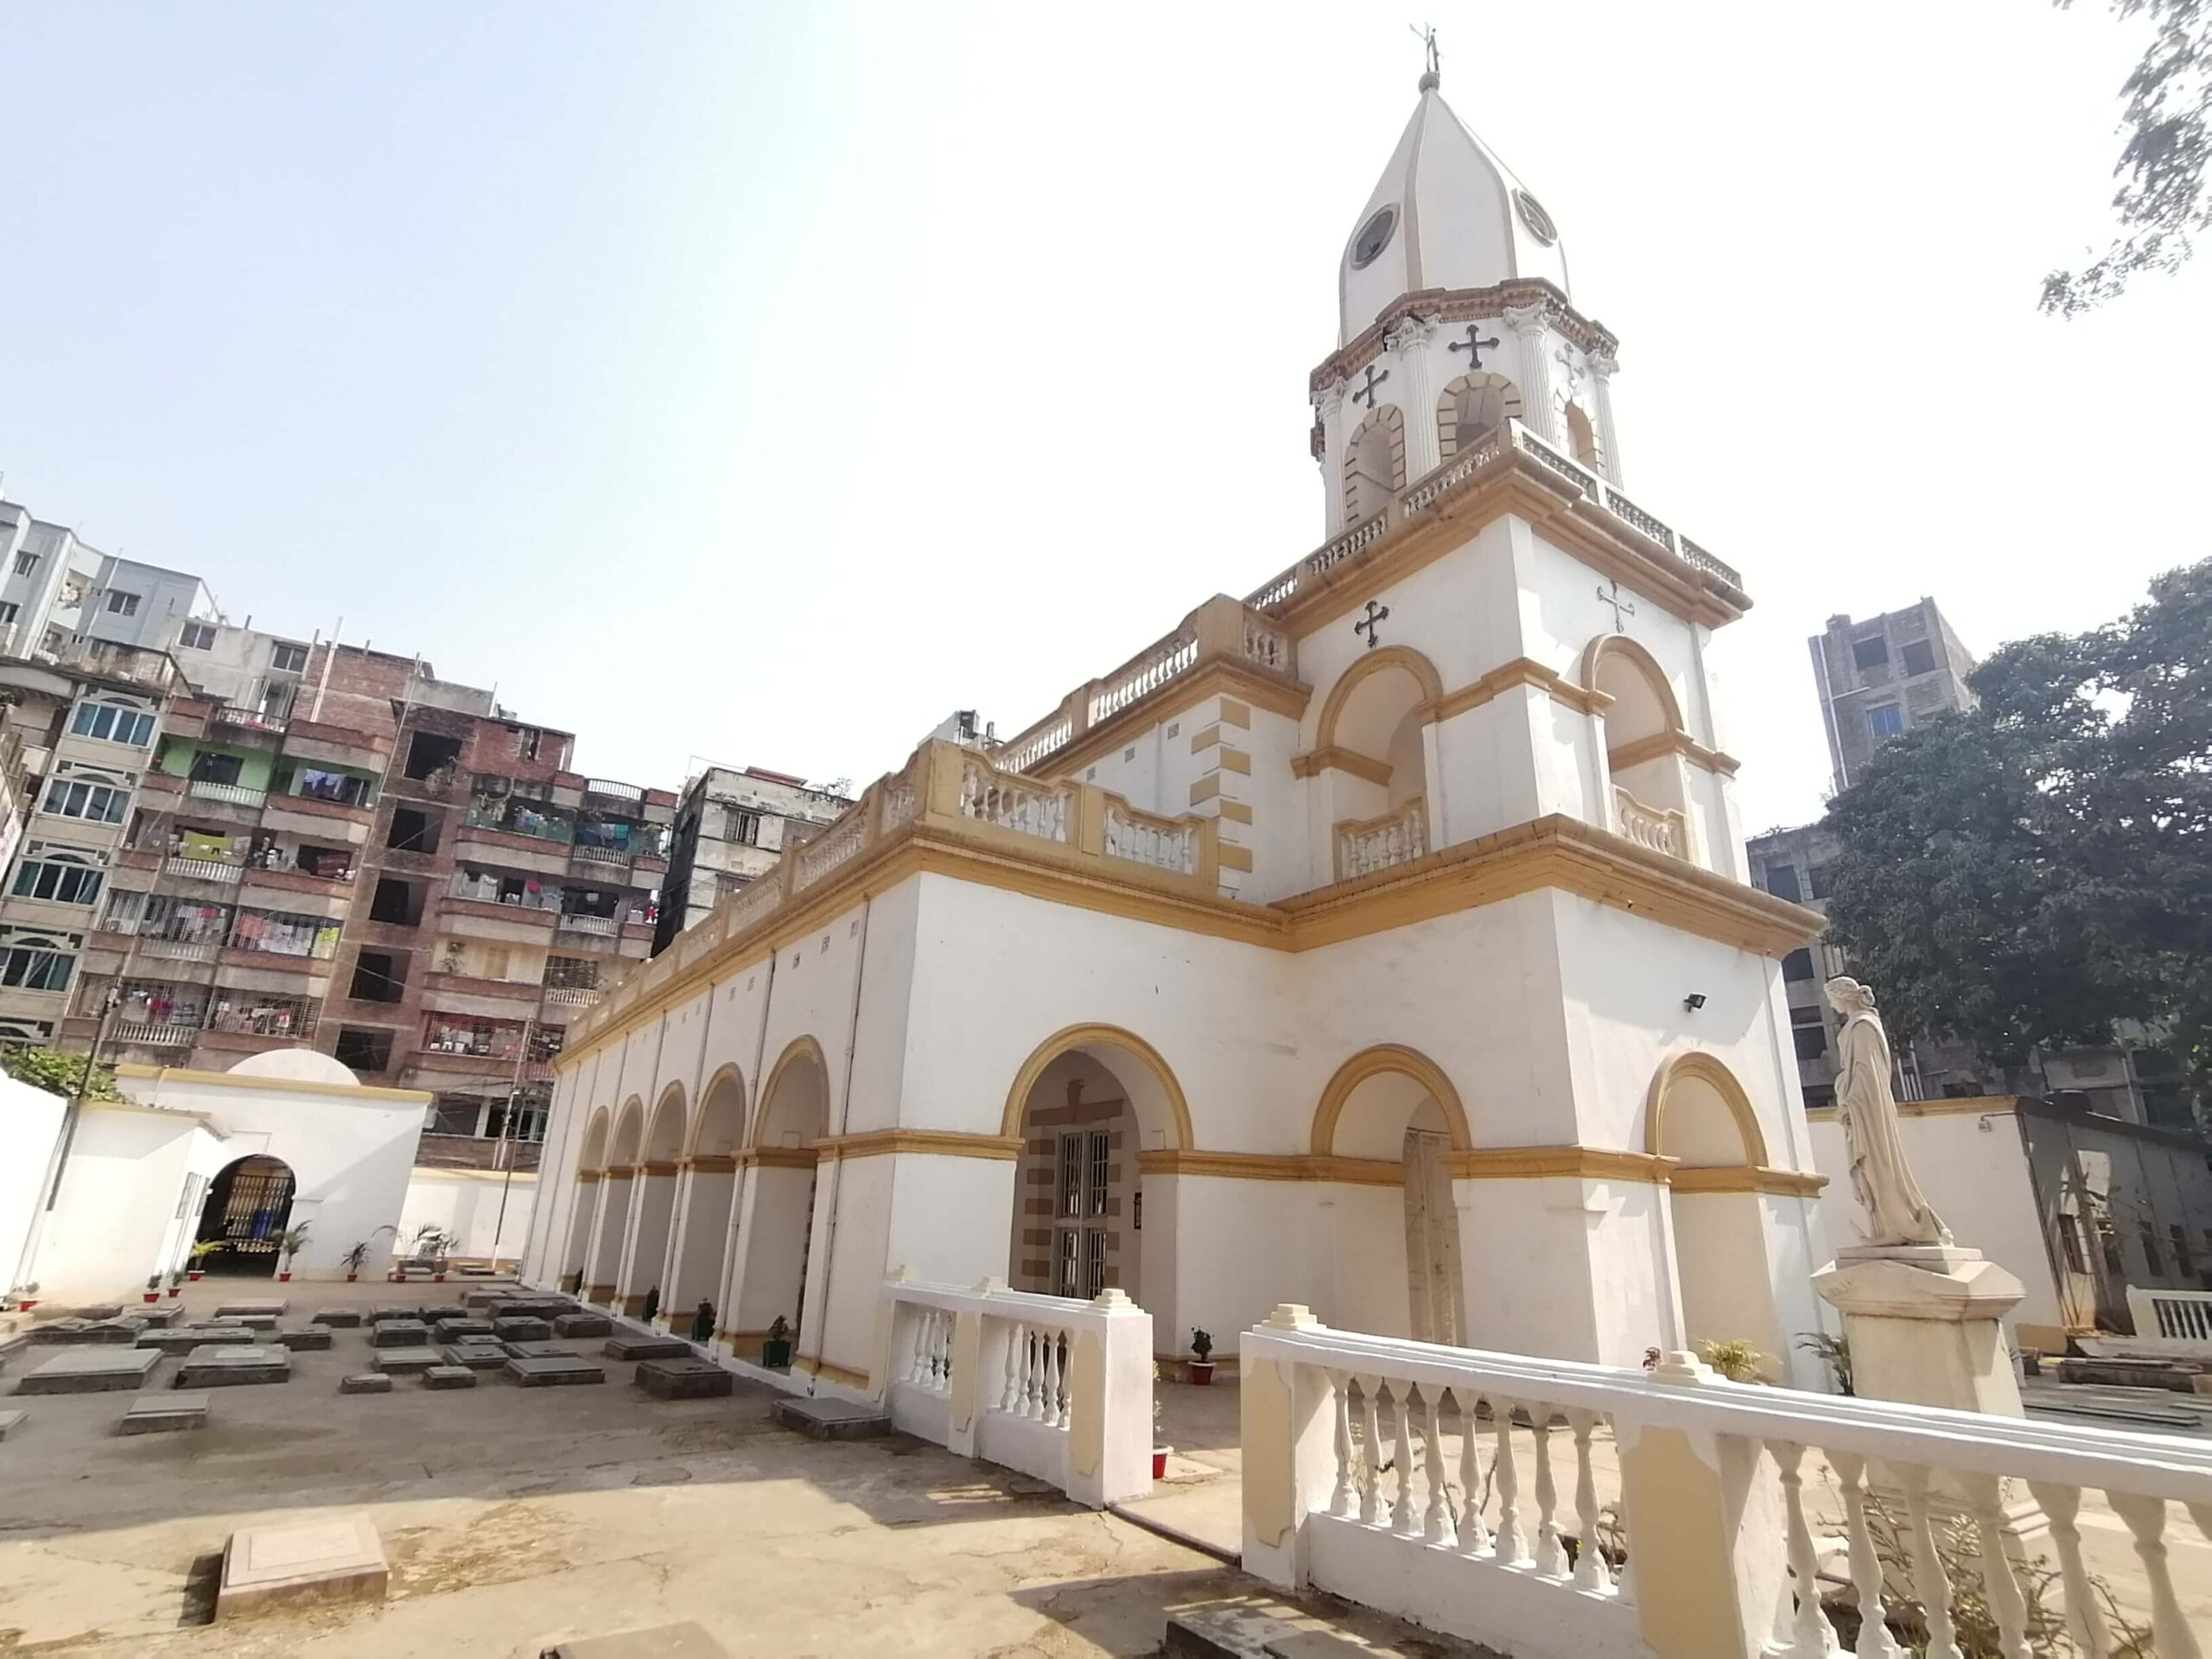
1375, 464
1582, 438
1472, 408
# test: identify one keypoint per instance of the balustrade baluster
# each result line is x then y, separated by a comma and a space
1999, 1588
1474, 1537
1811, 1636
1401, 1513
1031, 1408
1875, 1640
1551, 1553
1371, 1470
1054, 1417
1340, 1499
1931, 1584
1591, 1570
2169, 1627
2085, 1622
1512, 1547
1010, 1395
1436, 1519
917, 1331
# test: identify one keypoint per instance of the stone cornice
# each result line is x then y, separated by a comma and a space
1244, 681
1634, 753
1522, 671
1313, 762
1742, 1178
1463, 305
938, 1143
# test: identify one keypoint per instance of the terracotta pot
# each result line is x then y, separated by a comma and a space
176, 1290
26, 1304
193, 1273
437, 1277
151, 1296
1159, 1461
283, 1278
399, 1278
351, 1277
1201, 1371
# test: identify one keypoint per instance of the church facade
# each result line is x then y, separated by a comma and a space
1380, 940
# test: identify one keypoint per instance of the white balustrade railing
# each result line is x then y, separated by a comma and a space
1662, 829
1269, 647
156, 1033
230, 794
1162, 843
572, 996
836, 845
201, 869
1171, 657
1466, 1491
1054, 1387
989, 796
2173, 1321
607, 926
1373, 844
902, 798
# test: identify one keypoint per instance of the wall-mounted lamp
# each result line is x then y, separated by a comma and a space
1693, 1001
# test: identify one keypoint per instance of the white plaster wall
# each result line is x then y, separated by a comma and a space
467, 1203
117, 1221
33, 1118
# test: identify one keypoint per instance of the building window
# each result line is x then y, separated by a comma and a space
60, 883
286, 658
457, 1115
1822, 878
2184, 1257
30, 968
113, 725
1812, 1040
1798, 966
9, 611
2154, 1263
1085, 1186
122, 604
1780, 880
527, 742
1870, 652
1919, 657
1886, 721
25, 564
198, 636
99, 803
2069, 1241
343, 787
744, 827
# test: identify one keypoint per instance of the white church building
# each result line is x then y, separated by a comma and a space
1380, 941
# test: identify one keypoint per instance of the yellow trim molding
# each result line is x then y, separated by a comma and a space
1367, 664
1316, 761
1695, 1065
1544, 1163
709, 1163
1737, 1178
1272, 1167
1385, 1059
836, 1373
1639, 750
940, 1143
587, 1177
777, 1158
1640, 660
161, 1074
668, 1167
1522, 671
798, 1048
727, 1072
1069, 1038
1254, 687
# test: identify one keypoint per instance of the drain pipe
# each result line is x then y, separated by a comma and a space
837, 1172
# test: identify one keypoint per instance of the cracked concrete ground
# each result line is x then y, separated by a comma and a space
513, 1518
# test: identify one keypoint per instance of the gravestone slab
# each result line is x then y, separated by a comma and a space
475, 1298
165, 1313
302, 1562
582, 1324
185, 1337
254, 1321
400, 1333
404, 1360
162, 1413
449, 1376
522, 1329
365, 1383
306, 1338
100, 1311
554, 1371
542, 1350
272, 1306
337, 1319
122, 1328
684, 1641
460, 1330
647, 1348
103, 1367
378, 1315
220, 1365
11, 1420
688, 1378
476, 1355
825, 1419
441, 1311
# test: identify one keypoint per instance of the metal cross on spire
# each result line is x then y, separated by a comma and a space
1426, 33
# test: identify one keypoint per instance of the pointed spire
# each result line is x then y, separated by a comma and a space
1432, 76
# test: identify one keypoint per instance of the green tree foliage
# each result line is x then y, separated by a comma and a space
2039, 870
57, 1074
2166, 141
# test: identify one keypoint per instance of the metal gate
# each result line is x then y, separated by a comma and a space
248, 1208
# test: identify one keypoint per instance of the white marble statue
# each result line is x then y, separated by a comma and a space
1896, 1212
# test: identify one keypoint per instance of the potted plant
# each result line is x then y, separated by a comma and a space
25, 1297
776, 1348
431, 1243
1201, 1366
353, 1259
176, 1282
1160, 1448
293, 1241
153, 1288
200, 1253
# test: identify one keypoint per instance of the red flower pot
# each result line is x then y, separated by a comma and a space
1159, 1461
151, 1296
283, 1278
193, 1273
351, 1277
1201, 1371
26, 1304
176, 1290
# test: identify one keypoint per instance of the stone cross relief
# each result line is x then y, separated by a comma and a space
1474, 346
1570, 363
1368, 391
1622, 608
1374, 614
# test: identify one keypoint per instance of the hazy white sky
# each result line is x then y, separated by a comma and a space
762, 383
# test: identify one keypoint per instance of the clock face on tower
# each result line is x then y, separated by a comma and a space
1374, 237
1533, 216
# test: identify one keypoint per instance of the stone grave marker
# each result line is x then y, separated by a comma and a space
272, 1306
647, 1348
552, 1371
103, 1367
400, 1333
365, 1383
183, 1339
460, 1330
221, 1365
542, 1350
100, 1311
163, 1413
378, 1315
688, 1378
254, 1321
11, 1420
402, 1361
582, 1324
302, 1562
306, 1338
449, 1376
476, 1355
522, 1329
441, 1311
337, 1319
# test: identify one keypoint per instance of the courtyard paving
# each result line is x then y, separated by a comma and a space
516, 1518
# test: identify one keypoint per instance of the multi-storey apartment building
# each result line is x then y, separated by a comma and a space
732, 826
1883, 676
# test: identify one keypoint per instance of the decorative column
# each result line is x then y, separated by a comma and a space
1528, 324
1328, 422
1408, 342
1602, 368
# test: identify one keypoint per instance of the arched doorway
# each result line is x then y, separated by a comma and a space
612, 1225
1087, 1105
249, 1206
583, 1210
709, 1196
1374, 735
652, 1206
1390, 1218
1699, 1114
776, 1227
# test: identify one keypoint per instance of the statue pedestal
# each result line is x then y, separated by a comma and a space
1924, 1325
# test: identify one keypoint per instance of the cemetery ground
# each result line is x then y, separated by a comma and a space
514, 1517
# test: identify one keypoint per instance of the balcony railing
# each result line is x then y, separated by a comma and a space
607, 926
572, 996
180, 949
1421, 500
156, 1033
225, 868
1664, 830
617, 857
480, 890
229, 794
253, 719
1367, 845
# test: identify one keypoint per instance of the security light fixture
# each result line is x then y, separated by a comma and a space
1693, 1001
